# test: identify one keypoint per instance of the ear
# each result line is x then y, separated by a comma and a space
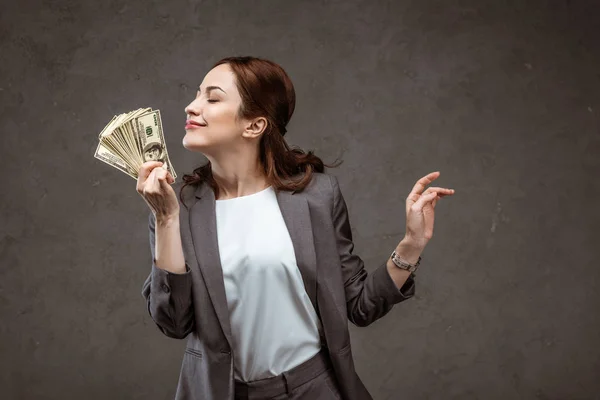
256, 127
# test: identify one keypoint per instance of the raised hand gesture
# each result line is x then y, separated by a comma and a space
420, 205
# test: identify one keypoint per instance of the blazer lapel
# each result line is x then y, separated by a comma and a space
203, 227
296, 214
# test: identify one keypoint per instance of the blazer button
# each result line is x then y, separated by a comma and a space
224, 351
165, 288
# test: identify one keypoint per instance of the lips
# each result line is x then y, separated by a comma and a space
190, 122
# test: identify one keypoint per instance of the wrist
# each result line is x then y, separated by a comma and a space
409, 251
167, 220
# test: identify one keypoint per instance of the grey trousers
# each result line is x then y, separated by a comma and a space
312, 380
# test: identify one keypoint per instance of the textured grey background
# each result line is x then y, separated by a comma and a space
502, 97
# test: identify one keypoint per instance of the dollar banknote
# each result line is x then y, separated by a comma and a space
131, 139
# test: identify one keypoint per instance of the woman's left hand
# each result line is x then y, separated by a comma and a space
420, 207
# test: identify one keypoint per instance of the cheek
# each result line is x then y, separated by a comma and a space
221, 115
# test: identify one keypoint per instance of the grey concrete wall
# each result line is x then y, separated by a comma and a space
502, 97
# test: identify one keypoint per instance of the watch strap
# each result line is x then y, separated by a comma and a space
403, 264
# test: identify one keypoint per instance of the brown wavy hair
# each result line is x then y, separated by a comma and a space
266, 90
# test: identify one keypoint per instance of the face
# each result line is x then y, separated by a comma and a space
215, 108
153, 154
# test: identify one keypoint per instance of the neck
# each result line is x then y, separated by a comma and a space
238, 176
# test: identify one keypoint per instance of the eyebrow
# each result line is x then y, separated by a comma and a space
209, 88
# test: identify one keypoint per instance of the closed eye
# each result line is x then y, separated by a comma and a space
213, 101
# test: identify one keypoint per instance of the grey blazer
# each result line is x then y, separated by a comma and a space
194, 305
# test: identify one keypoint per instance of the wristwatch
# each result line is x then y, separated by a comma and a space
403, 264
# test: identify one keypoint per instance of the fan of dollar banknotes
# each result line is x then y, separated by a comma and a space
131, 139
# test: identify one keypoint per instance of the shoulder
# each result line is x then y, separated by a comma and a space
320, 183
323, 179
323, 190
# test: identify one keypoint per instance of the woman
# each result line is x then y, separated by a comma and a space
256, 269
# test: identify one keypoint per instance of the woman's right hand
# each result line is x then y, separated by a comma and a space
154, 185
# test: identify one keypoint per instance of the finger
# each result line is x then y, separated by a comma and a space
144, 173
424, 199
165, 167
155, 183
147, 167
164, 184
440, 191
161, 173
419, 187
151, 183
444, 194
164, 176
169, 178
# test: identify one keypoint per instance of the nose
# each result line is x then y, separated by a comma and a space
189, 111
193, 108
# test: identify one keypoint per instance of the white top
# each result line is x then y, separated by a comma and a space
274, 324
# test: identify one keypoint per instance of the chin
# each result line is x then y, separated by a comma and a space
193, 144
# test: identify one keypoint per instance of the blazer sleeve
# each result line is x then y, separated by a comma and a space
369, 296
168, 296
